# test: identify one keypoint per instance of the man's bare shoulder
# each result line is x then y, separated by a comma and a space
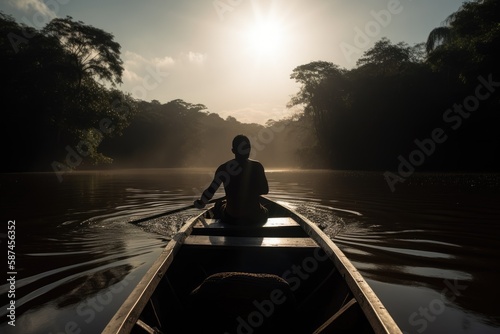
229, 166
255, 163
234, 164
226, 163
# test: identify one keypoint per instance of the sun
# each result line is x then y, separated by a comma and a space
266, 38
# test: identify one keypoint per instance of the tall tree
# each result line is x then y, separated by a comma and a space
93, 57
323, 95
94, 52
386, 57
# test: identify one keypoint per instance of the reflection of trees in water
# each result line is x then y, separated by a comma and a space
90, 285
64, 265
436, 232
464, 280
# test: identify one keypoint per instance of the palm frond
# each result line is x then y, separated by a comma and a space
438, 36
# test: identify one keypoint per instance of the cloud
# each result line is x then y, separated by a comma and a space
164, 63
130, 76
37, 5
137, 67
133, 60
145, 77
196, 57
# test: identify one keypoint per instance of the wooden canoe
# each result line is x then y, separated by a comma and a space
285, 276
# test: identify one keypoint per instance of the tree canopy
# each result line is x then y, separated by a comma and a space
53, 79
91, 51
469, 41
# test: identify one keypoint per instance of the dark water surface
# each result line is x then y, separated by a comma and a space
430, 250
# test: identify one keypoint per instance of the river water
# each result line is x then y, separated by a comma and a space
429, 250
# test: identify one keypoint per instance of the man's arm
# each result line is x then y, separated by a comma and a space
262, 182
208, 193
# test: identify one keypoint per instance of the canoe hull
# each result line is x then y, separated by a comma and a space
329, 293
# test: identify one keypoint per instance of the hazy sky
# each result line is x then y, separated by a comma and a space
236, 56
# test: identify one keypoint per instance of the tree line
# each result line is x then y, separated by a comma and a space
182, 134
385, 113
432, 106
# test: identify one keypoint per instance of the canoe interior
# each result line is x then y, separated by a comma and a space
281, 248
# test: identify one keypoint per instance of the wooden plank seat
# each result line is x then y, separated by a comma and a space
274, 227
246, 242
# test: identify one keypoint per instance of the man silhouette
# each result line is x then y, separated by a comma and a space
244, 181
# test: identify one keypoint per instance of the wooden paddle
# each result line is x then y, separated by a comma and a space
140, 220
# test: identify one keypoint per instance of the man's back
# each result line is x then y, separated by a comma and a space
243, 186
244, 181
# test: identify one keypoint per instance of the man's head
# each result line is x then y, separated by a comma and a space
241, 147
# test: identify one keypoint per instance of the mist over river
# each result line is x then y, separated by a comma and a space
429, 249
